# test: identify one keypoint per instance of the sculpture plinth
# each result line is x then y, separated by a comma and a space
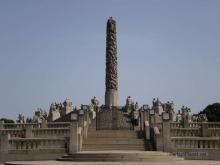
111, 80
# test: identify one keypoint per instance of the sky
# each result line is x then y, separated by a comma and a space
51, 50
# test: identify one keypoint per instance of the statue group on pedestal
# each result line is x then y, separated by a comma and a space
133, 110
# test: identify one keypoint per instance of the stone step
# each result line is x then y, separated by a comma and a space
112, 135
113, 140
113, 131
105, 141
114, 156
112, 149
118, 146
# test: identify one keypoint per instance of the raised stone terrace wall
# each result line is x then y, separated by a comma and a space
40, 141
197, 141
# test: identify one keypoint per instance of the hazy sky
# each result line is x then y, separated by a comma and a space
54, 49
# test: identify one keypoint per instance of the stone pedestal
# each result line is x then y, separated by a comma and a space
111, 98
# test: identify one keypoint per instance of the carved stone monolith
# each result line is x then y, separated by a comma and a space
111, 80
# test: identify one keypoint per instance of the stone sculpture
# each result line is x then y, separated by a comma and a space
21, 118
136, 106
111, 80
178, 117
95, 101
129, 104
54, 112
169, 108
185, 116
67, 107
39, 115
202, 118
157, 106
29, 120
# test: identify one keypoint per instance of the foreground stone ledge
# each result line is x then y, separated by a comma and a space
52, 162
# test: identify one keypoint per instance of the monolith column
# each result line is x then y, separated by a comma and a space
111, 79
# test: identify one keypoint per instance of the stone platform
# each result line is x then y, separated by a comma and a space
52, 162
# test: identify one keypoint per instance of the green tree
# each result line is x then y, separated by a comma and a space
7, 120
212, 112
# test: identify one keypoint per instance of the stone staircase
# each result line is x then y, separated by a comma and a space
117, 146
105, 140
120, 156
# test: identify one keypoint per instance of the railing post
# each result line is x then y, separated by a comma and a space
85, 129
73, 144
4, 143
80, 138
204, 130
28, 131
44, 124
158, 139
166, 136
147, 130
141, 120
1, 124
85, 124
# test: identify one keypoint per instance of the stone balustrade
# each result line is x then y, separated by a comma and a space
205, 129
195, 124
20, 126
35, 125
51, 132
13, 132
214, 132
16, 144
183, 132
36, 132
58, 124
196, 142
175, 125
213, 124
